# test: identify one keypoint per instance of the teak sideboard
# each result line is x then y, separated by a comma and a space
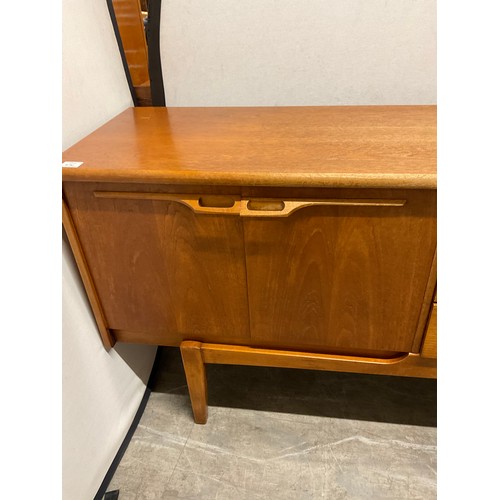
300, 237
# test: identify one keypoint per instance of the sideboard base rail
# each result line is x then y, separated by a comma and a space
195, 355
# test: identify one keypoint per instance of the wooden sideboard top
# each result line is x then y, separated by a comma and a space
325, 146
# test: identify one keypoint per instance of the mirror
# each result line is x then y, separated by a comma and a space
136, 25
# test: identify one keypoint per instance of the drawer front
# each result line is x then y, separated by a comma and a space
429, 347
341, 276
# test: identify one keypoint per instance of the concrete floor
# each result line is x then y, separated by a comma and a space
283, 434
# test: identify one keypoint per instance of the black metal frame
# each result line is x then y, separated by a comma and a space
154, 59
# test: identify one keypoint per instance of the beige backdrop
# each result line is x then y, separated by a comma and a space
101, 391
298, 52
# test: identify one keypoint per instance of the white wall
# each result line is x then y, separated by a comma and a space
94, 86
101, 390
298, 52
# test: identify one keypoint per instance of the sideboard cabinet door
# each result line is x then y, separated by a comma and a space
161, 269
329, 276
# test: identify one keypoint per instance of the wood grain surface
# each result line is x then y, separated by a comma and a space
429, 347
308, 229
342, 276
196, 378
158, 266
196, 354
402, 365
343, 146
83, 267
335, 277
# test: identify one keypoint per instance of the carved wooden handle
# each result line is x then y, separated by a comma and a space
232, 205
283, 208
228, 205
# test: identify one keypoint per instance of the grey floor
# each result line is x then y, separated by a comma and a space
283, 434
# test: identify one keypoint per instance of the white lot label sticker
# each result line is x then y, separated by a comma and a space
72, 164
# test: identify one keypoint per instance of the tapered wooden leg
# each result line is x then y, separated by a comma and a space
196, 377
